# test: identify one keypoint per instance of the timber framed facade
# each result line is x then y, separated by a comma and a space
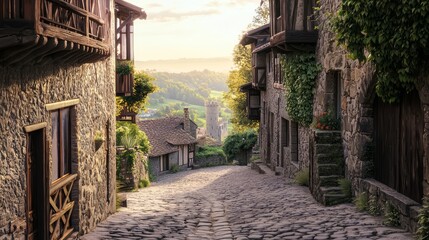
124, 44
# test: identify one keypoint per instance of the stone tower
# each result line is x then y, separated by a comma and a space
212, 120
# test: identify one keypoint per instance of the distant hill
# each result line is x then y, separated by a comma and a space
190, 89
186, 65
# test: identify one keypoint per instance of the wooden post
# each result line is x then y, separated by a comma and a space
87, 19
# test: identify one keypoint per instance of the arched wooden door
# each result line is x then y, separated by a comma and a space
398, 136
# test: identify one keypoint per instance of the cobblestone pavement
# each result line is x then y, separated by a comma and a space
233, 202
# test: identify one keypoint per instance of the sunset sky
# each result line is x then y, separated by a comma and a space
190, 28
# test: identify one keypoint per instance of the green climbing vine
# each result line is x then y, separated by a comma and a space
299, 80
394, 35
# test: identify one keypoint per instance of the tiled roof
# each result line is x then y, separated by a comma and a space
165, 134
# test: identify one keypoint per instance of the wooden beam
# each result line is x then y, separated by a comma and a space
59, 33
35, 127
37, 52
61, 46
16, 56
63, 104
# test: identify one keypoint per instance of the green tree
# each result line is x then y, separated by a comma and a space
242, 74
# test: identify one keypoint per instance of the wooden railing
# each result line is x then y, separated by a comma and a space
11, 9
61, 207
124, 84
86, 18
127, 115
81, 16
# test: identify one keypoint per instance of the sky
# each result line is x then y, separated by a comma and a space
176, 29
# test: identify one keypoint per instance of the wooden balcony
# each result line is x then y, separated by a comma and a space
253, 99
39, 31
61, 207
293, 24
127, 115
124, 85
260, 78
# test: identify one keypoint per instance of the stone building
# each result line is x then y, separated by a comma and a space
215, 128
381, 148
173, 141
57, 122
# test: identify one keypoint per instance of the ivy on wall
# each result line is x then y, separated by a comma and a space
395, 35
300, 72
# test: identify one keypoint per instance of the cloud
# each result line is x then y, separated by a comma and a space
231, 3
169, 15
153, 5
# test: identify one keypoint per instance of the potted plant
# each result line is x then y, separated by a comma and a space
326, 121
98, 139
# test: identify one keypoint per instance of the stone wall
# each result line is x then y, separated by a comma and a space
357, 100
210, 161
24, 93
154, 165
356, 96
279, 158
132, 173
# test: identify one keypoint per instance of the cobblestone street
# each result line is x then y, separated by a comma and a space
233, 202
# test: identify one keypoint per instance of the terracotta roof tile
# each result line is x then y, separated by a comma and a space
165, 134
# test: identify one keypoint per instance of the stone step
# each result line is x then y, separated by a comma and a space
326, 159
332, 150
333, 199
328, 137
329, 169
264, 169
331, 190
329, 181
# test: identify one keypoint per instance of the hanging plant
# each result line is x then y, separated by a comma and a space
124, 68
394, 35
300, 72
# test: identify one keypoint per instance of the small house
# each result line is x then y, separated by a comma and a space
173, 141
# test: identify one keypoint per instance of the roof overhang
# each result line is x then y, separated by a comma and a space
125, 9
253, 35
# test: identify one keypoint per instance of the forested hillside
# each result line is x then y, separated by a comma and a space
191, 89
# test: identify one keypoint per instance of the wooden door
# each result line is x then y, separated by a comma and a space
37, 187
398, 136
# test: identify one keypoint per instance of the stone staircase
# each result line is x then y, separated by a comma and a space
327, 167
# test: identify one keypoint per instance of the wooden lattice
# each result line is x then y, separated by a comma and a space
61, 207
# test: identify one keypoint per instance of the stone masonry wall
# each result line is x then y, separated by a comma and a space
273, 101
357, 114
132, 174
357, 93
24, 93
210, 161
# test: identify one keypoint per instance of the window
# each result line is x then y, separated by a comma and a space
278, 78
163, 162
285, 133
61, 143
333, 94
294, 141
